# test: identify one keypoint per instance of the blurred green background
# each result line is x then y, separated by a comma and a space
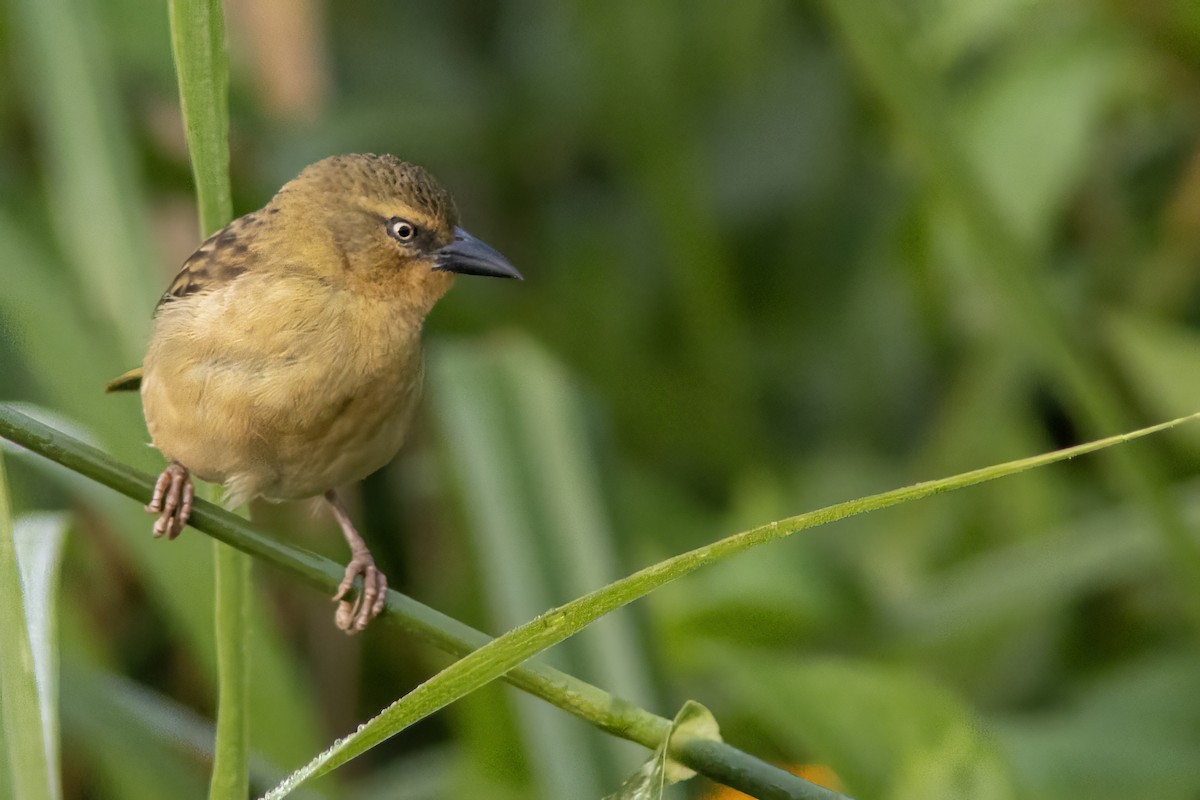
777, 255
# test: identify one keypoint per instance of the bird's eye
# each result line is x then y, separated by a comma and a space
401, 230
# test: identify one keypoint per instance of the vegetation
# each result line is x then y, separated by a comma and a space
777, 255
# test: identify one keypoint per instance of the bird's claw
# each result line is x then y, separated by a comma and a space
353, 617
172, 501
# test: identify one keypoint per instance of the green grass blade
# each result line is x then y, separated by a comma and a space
884, 731
33, 775
124, 756
39, 540
124, 720
1128, 732
1039, 578
505, 652
524, 573
231, 760
567, 485
198, 42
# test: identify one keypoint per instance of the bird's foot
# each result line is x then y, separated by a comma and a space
353, 617
172, 501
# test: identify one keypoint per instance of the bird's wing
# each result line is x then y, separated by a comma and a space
220, 259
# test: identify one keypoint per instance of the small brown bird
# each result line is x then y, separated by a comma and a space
285, 359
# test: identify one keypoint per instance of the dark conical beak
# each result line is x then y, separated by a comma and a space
467, 255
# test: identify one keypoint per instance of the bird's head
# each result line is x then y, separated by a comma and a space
391, 225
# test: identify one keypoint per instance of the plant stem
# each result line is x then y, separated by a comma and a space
716, 760
198, 44
231, 751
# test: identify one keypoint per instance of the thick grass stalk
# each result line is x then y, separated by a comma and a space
505, 652
198, 43
231, 749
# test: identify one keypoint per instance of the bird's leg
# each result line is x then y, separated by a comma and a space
353, 617
172, 501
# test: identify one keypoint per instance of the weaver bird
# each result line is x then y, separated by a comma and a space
285, 357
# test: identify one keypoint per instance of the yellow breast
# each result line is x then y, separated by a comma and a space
281, 385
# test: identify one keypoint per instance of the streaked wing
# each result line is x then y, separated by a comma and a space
220, 259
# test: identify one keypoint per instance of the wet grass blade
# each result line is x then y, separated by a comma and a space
505, 652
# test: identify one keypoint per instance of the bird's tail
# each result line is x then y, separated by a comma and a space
129, 382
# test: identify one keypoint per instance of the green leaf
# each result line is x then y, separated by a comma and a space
1130, 732
885, 732
30, 553
1030, 123
693, 721
155, 743
505, 652
129, 754
511, 420
515, 580
1035, 578
424, 774
952, 31
39, 539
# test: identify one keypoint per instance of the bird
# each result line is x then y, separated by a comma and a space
284, 360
